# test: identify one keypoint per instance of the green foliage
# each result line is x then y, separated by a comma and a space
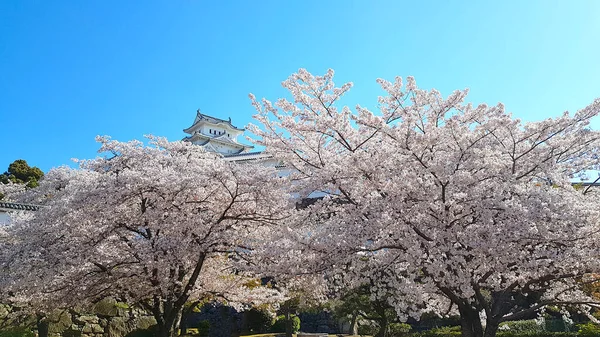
367, 330
528, 326
558, 325
17, 332
279, 325
455, 332
536, 334
258, 320
19, 172
446, 329
399, 329
203, 328
588, 330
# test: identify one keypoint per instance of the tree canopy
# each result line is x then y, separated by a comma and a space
19, 172
459, 208
156, 225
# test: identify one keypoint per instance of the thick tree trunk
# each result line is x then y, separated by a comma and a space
382, 321
167, 328
491, 328
288, 324
354, 324
470, 323
42, 325
383, 326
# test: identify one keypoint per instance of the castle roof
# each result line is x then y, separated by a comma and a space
200, 117
13, 206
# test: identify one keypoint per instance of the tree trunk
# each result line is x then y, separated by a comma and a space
354, 324
167, 324
470, 323
383, 325
491, 327
42, 325
288, 324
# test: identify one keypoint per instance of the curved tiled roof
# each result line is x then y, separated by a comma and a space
200, 117
18, 207
243, 154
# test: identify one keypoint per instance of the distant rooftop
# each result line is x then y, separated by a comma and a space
202, 117
13, 206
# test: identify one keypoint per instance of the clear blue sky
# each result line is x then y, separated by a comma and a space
70, 70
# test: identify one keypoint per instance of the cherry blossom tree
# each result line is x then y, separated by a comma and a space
156, 225
457, 208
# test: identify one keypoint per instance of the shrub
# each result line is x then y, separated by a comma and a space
437, 333
536, 334
203, 328
588, 330
279, 325
399, 329
367, 330
446, 329
17, 332
558, 325
528, 326
258, 320
430, 333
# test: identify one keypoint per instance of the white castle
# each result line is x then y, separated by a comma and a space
220, 136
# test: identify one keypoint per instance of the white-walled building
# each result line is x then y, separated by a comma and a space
216, 135
221, 136
6, 207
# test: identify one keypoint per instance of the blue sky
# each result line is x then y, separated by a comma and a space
70, 70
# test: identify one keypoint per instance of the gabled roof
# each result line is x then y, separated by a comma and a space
10, 206
214, 120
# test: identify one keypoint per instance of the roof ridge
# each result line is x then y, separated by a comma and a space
18, 206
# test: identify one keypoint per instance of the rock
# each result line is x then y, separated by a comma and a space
117, 327
59, 321
96, 328
87, 329
93, 319
106, 307
4, 310
144, 322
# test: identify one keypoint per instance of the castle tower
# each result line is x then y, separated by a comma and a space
216, 135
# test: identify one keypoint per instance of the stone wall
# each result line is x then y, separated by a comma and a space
108, 318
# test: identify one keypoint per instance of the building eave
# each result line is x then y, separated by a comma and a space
200, 117
13, 206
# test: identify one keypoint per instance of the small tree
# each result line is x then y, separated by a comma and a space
19, 172
157, 225
464, 208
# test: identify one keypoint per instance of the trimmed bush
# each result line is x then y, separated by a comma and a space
558, 325
528, 326
399, 329
588, 330
503, 334
17, 332
258, 320
203, 328
279, 325
367, 330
